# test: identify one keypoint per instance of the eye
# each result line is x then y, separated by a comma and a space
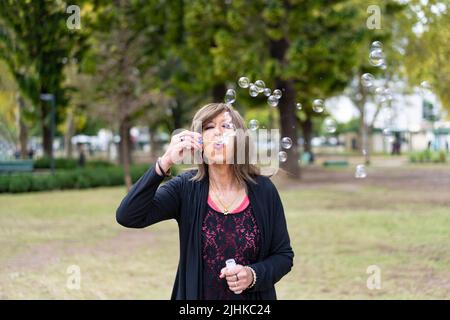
228, 126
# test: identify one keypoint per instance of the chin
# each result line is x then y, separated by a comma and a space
218, 159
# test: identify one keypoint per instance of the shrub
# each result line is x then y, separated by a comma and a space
19, 183
427, 156
78, 178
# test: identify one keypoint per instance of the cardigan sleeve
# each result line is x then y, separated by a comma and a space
146, 204
280, 259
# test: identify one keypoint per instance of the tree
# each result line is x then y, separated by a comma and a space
128, 45
427, 49
34, 41
305, 48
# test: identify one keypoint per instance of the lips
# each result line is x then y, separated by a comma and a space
218, 145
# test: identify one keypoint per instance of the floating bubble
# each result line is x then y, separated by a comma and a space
253, 124
330, 125
299, 106
230, 96
376, 45
243, 82
387, 94
379, 90
360, 172
277, 93
387, 131
376, 57
425, 85
267, 92
260, 85
272, 101
253, 91
286, 143
282, 156
367, 80
318, 105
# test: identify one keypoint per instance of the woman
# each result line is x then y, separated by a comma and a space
225, 210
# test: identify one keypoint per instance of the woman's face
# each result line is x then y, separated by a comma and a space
218, 139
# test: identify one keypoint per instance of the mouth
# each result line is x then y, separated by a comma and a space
219, 145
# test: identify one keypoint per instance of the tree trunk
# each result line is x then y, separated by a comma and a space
287, 123
363, 139
154, 146
218, 92
47, 143
69, 134
287, 109
23, 131
307, 134
125, 151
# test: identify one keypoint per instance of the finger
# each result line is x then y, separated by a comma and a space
233, 283
242, 275
192, 134
194, 142
238, 288
233, 270
222, 273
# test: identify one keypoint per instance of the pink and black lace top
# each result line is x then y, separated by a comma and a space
235, 235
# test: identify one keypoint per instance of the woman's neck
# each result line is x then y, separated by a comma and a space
222, 177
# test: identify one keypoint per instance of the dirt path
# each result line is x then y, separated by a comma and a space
41, 255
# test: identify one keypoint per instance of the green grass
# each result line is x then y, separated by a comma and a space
337, 231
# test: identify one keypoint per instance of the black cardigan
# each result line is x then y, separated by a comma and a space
185, 201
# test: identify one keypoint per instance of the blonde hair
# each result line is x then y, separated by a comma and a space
242, 172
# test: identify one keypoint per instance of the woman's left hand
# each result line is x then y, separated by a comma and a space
238, 277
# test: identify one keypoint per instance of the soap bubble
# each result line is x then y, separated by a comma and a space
267, 92
376, 57
330, 125
277, 93
360, 172
253, 91
387, 131
230, 96
286, 143
376, 45
243, 82
253, 124
318, 105
387, 94
282, 156
379, 90
367, 80
425, 85
299, 106
260, 85
272, 101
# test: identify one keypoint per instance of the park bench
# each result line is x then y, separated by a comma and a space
335, 163
16, 166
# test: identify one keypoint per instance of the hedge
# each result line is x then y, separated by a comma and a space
80, 178
428, 156
68, 163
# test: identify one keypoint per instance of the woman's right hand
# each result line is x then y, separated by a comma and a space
185, 140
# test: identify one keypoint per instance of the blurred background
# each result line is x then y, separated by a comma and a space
91, 91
